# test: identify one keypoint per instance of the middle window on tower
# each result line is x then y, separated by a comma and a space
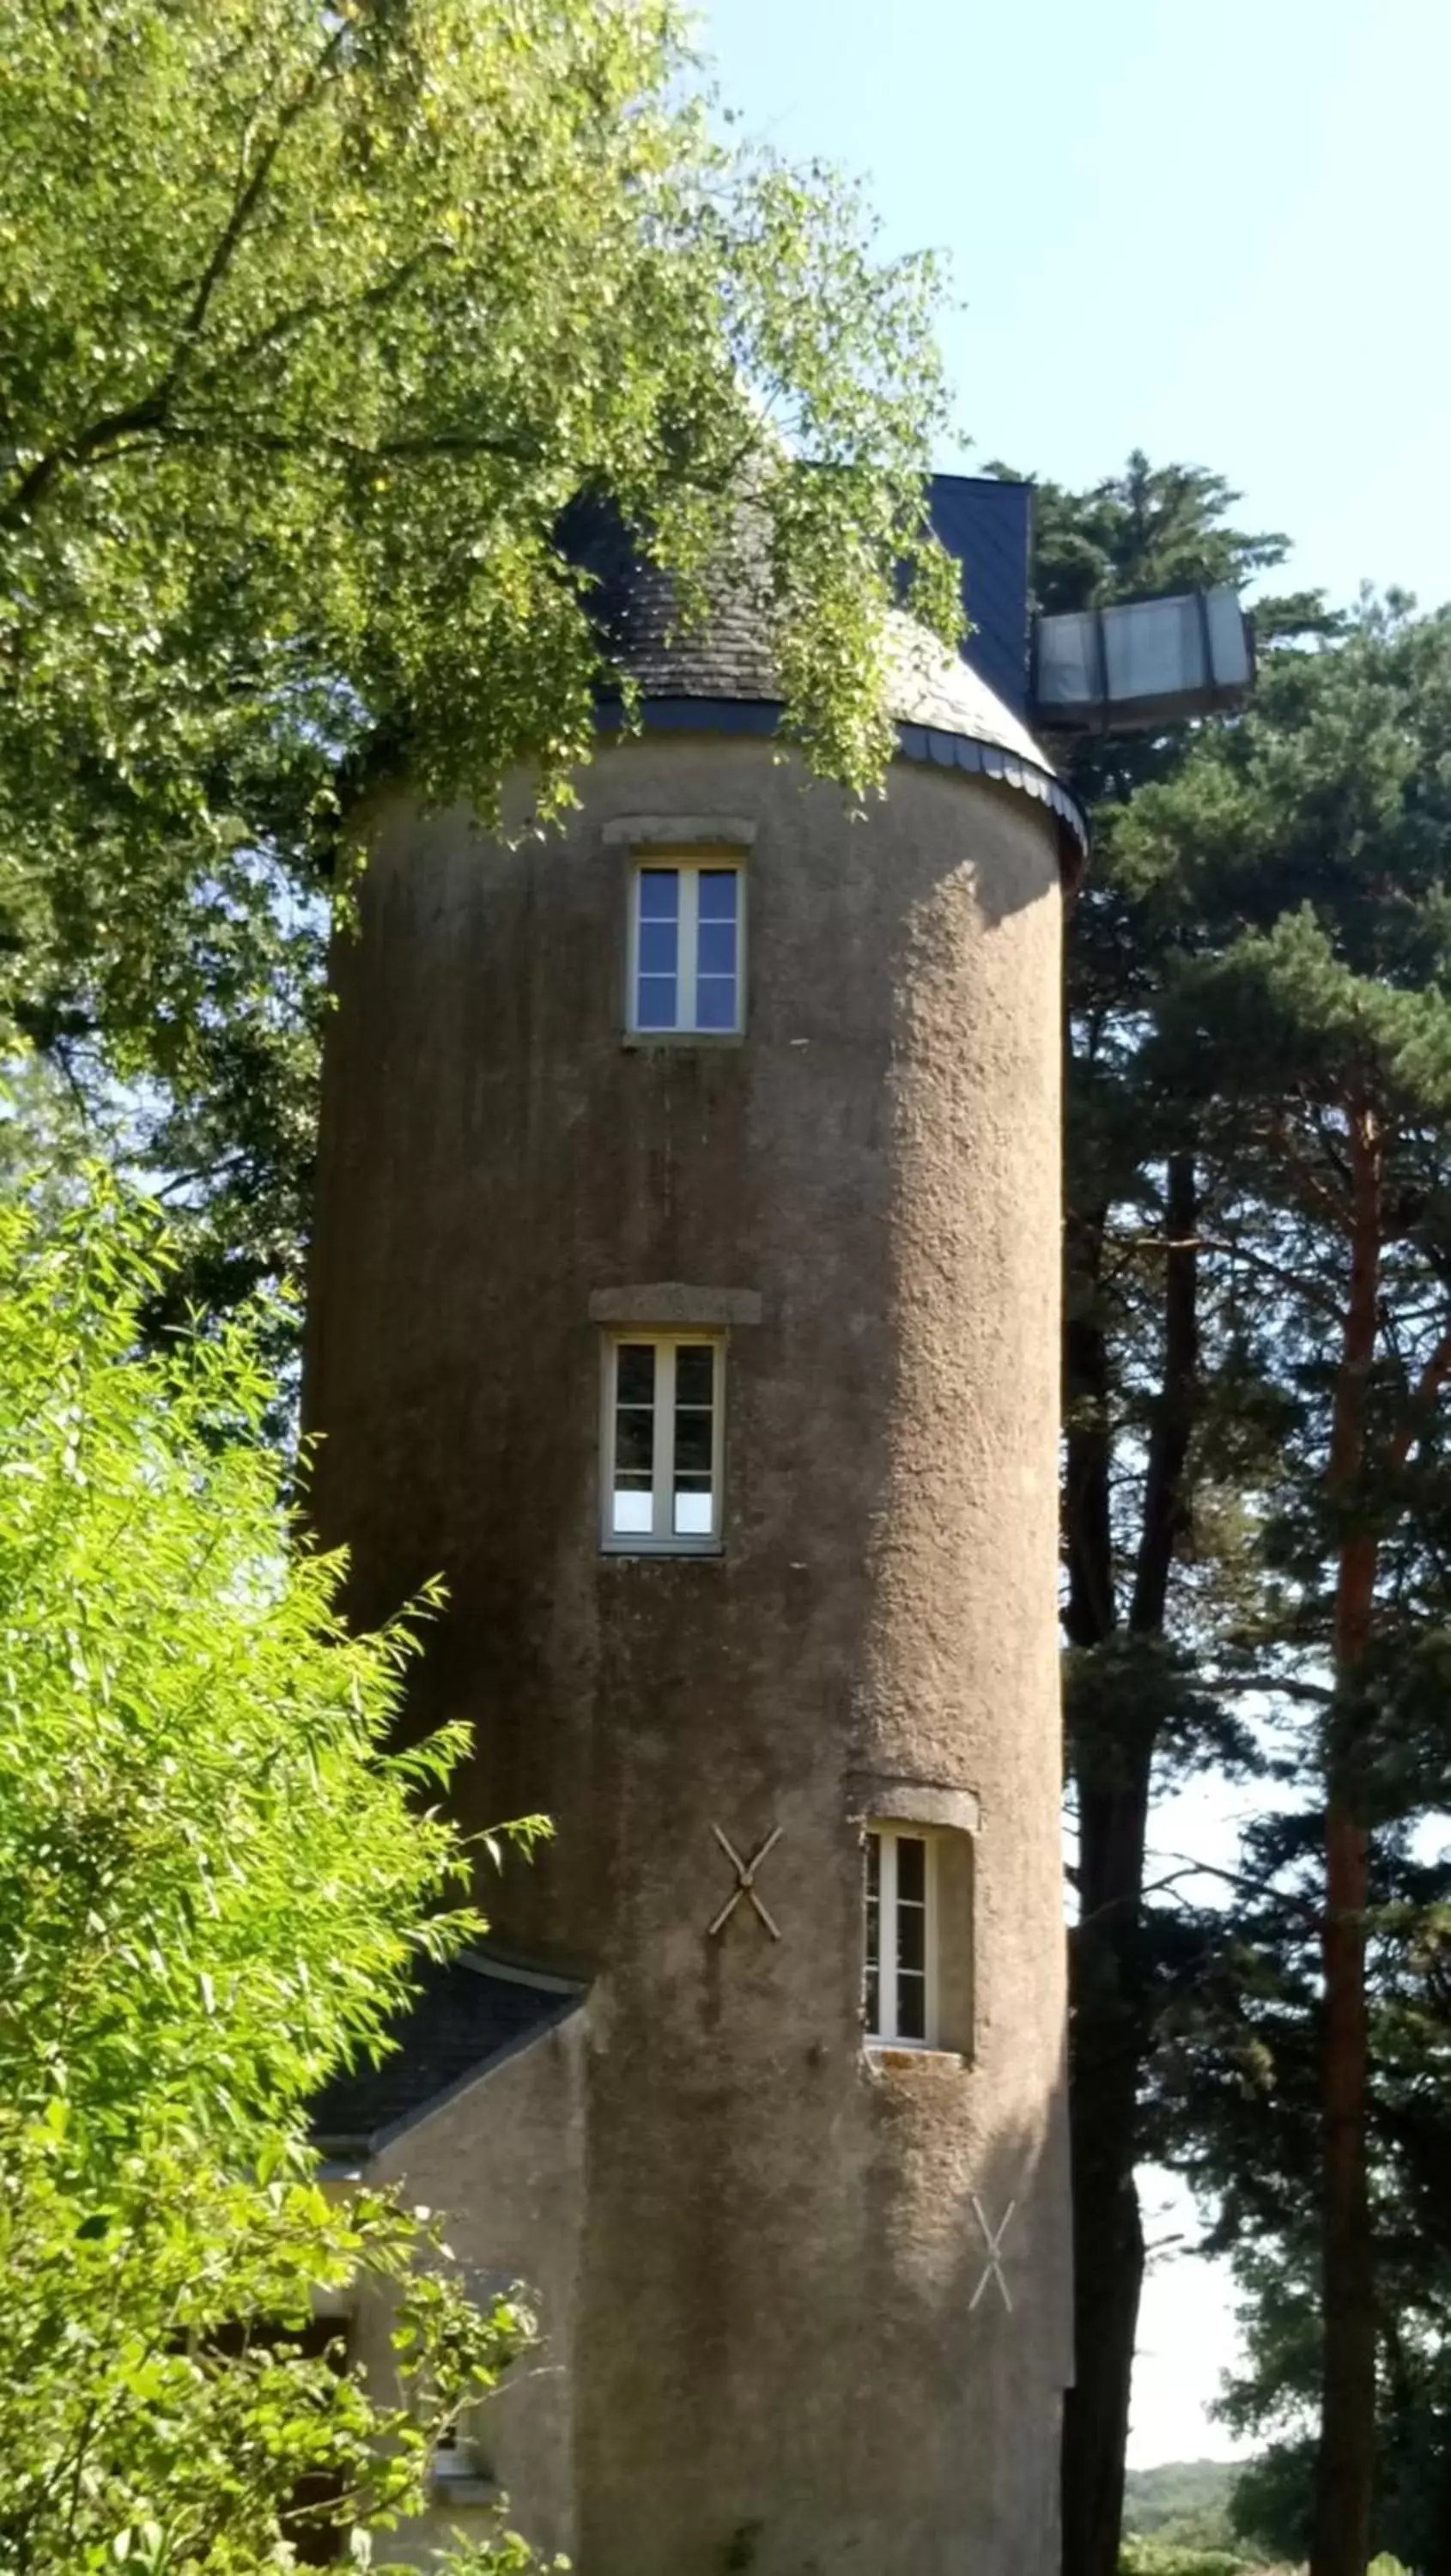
662, 1443
899, 1895
686, 922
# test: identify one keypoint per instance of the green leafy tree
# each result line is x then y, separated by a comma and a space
315, 322
215, 1881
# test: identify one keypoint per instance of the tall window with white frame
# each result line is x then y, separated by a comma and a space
686, 978
662, 1425
899, 1895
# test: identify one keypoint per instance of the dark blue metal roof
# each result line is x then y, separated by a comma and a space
988, 527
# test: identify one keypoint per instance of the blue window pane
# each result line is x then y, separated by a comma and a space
659, 894
716, 953
655, 1002
718, 894
715, 1002
658, 943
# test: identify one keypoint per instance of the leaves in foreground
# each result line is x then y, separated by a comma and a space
215, 1879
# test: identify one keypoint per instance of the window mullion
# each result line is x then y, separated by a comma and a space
688, 958
662, 1516
932, 1941
887, 1937
717, 1438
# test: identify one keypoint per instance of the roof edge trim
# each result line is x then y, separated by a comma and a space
927, 745
363, 2146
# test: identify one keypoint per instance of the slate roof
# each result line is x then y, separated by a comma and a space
730, 656
946, 707
467, 2016
938, 689
635, 604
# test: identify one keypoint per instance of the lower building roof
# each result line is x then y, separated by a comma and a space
468, 2014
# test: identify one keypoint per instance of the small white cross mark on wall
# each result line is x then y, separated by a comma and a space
745, 1885
993, 2240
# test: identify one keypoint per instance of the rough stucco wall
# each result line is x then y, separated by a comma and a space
504, 2160
780, 2249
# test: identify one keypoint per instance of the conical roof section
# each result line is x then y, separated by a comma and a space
945, 711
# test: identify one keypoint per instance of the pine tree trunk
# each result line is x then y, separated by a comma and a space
1109, 2270
1110, 2026
1108, 2243
1345, 2468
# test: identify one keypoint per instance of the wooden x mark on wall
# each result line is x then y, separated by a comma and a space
745, 1885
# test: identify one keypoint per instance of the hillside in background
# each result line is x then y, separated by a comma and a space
1185, 2501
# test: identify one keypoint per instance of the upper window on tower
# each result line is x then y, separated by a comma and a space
686, 922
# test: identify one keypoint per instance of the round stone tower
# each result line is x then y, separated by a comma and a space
686, 1293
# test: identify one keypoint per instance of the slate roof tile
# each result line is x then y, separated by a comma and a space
467, 2015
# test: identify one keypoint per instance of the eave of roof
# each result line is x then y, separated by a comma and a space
469, 2016
936, 745
946, 711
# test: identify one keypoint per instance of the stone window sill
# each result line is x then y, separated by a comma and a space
890, 2057
672, 1041
464, 2491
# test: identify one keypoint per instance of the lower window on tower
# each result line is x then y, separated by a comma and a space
662, 1443
917, 1936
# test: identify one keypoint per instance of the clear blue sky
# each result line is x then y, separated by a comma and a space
1220, 234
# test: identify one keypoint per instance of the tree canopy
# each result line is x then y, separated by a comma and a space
314, 322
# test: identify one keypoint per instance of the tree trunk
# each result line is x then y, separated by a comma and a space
1166, 1500
1089, 1613
1345, 2468
1111, 2024
1108, 2261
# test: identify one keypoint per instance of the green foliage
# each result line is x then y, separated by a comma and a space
1185, 2502
1179, 2558
1261, 956
1143, 1700
313, 324
214, 1880
1296, 870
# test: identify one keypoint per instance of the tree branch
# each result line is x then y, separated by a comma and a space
1418, 1412
150, 412
318, 308
1233, 1251
246, 203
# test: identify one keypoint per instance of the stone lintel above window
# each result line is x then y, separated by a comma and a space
734, 832
670, 1306
912, 1802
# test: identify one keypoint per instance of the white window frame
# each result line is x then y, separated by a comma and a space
689, 869
661, 1539
891, 1831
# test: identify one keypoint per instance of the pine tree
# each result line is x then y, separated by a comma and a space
1302, 860
1137, 1387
